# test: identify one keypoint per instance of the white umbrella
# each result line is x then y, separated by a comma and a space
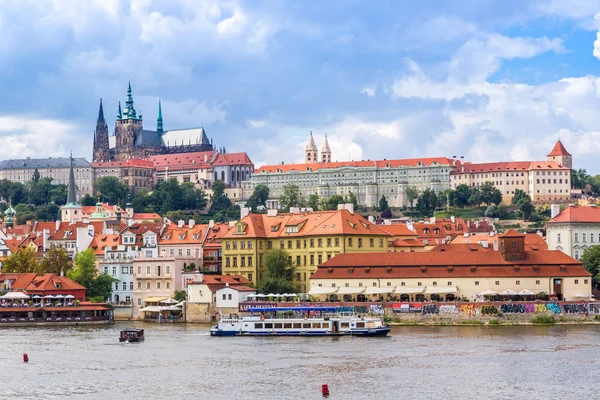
271, 295
48, 296
180, 304
251, 295
169, 301
59, 296
526, 292
15, 296
37, 297
508, 292
487, 292
69, 296
261, 295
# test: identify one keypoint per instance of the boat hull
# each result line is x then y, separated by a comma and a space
357, 332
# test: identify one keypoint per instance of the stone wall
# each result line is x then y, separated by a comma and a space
201, 313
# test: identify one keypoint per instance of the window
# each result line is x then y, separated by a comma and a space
449, 283
337, 242
577, 237
476, 283
249, 261
243, 259
577, 255
124, 270
312, 242
235, 261
249, 277
577, 281
359, 242
517, 282
350, 242
168, 285
139, 269
158, 285
167, 269
558, 238
585, 281
172, 251
380, 242
229, 296
583, 239
347, 284
537, 282
250, 245
419, 283
497, 283
242, 245
114, 271
106, 270
139, 285
328, 242
147, 285
158, 270
297, 260
371, 242
188, 252
389, 283
289, 244
139, 301
227, 262
124, 285
320, 242
312, 259
320, 258
130, 285
147, 270
224, 296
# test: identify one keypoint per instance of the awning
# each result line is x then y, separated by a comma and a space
408, 290
351, 290
440, 290
378, 290
155, 299
15, 296
152, 309
316, 290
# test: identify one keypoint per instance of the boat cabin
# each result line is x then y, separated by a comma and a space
131, 335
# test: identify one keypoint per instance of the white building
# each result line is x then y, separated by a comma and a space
232, 296
573, 230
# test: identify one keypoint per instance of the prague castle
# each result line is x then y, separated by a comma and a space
131, 140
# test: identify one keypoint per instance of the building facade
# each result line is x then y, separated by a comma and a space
309, 238
135, 173
131, 140
573, 230
22, 171
451, 271
544, 181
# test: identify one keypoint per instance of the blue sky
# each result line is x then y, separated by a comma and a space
494, 80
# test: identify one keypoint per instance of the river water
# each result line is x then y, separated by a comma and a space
184, 362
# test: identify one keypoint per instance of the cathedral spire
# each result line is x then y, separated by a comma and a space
101, 146
100, 112
325, 151
119, 113
71, 193
129, 110
159, 121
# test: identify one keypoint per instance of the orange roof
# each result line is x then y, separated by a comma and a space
559, 150
146, 217
339, 222
454, 261
232, 159
578, 214
408, 243
397, 230
436, 230
530, 239
221, 280
200, 159
101, 241
34, 282
470, 168
409, 162
184, 235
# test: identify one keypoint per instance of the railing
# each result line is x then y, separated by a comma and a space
54, 319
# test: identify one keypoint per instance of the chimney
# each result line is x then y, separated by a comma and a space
453, 219
432, 220
554, 210
495, 244
57, 225
466, 234
180, 223
272, 213
226, 284
244, 212
294, 210
350, 208
211, 223
45, 238
205, 158
371, 219
484, 244
191, 223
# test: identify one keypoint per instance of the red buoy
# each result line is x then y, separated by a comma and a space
325, 390
25, 358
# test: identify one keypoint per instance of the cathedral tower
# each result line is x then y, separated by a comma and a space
560, 155
128, 127
325, 151
311, 154
101, 148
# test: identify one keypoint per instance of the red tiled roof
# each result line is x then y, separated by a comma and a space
530, 239
397, 230
184, 235
559, 150
471, 168
232, 159
101, 241
410, 162
131, 162
222, 280
35, 282
578, 214
512, 233
146, 217
195, 160
407, 243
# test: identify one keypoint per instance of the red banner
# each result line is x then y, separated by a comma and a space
407, 307
243, 307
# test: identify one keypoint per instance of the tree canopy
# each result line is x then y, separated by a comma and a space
25, 260
219, 201
55, 261
591, 262
258, 198
99, 287
279, 276
291, 197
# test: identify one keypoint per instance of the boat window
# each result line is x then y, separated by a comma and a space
360, 324
287, 325
258, 326
278, 326
345, 325
270, 325
306, 325
316, 325
297, 325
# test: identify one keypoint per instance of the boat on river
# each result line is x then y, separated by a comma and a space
132, 335
299, 321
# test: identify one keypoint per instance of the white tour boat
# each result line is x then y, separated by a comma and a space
299, 321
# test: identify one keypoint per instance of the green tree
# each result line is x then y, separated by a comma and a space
383, 203
279, 277
313, 201
88, 200
5, 189
427, 202
579, 178
100, 288
290, 197
351, 199
58, 194
526, 207
24, 260
175, 216
85, 268
219, 201
47, 212
412, 193
55, 261
475, 197
332, 202
489, 194
192, 198
445, 198
179, 295
35, 178
591, 262
519, 196
462, 194
258, 198
111, 190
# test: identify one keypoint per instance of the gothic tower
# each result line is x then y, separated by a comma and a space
311, 154
325, 151
560, 155
128, 127
159, 120
101, 150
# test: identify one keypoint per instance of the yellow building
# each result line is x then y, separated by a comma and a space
310, 238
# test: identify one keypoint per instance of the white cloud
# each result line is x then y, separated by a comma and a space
369, 91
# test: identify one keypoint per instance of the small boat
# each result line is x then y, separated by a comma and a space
132, 335
299, 321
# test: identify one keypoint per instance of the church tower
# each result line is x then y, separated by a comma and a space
101, 148
159, 120
311, 154
128, 127
560, 155
325, 151
71, 212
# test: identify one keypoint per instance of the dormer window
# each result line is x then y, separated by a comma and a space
291, 229
57, 285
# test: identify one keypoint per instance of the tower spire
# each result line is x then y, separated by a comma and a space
129, 110
71, 194
101, 112
119, 113
101, 146
159, 120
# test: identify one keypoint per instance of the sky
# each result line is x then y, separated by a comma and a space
498, 80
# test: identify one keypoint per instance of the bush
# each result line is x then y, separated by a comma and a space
542, 320
596, 317
495, 322
542, 296
472, 322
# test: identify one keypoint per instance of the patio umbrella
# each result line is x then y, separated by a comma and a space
508, 292
180, 304
37, 296
169, 301
15, 296
69, 296
261, 295
487, 292
59, 296
271, 295
526, 292
48, 296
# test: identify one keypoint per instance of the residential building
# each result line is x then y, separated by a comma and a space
231, 296
544, 181
533, 241
203, 288
116, 260
574, 229
155, 277
22, 171
183, 240
450, 271
368, 180
309, 238
135, 173
212, 248
131, 140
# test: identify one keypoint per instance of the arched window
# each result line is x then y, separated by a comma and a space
223, 176
216, 176
238, 175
